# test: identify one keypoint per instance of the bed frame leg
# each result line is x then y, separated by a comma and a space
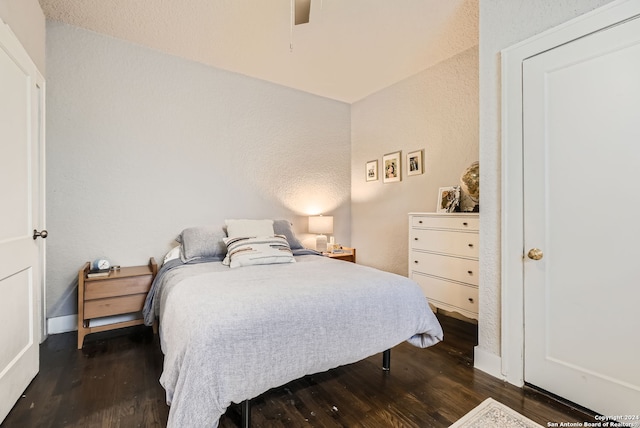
245, 414
386, 360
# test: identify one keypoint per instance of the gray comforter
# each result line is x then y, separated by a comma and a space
231, 334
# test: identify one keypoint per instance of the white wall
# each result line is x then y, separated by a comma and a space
26, 20
141, 144
502, 24
117, 111
435, 110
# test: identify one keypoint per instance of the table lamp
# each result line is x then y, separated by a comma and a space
322, 225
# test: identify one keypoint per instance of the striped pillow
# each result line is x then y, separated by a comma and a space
248, 251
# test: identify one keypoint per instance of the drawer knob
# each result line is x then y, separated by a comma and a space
470, 245
470, 300
420, 221
415, 261
465, 224
415, 239
470, 272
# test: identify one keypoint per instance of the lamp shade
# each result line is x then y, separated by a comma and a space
321, 224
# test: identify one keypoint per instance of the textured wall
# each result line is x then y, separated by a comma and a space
435, 110
502, 24
141, 144
26, 20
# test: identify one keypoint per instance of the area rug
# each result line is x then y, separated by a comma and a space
491, 413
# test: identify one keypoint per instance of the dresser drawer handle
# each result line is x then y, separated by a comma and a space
465, 224
415, 261
415, 239
470, 245
420, 221
470, 272
470, 300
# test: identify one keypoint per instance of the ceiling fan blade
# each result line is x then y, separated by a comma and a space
303, 10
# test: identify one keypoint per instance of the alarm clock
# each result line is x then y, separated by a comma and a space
100, 264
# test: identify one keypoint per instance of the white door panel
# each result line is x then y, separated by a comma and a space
14, 123
581, 104
13, 290
20, 267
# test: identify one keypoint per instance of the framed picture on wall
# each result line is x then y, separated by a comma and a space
414, 163
372, 170
448, 199
392, 168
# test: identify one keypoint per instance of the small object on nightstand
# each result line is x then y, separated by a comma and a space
122, 291
94, 273
343, 253
100, 265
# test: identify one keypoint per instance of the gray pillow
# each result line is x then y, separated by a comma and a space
202, 241
283, 227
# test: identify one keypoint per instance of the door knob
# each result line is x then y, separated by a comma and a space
43, 234
535, 254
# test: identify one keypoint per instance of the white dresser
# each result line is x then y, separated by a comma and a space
443, 259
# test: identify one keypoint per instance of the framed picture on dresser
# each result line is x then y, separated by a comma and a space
448, 199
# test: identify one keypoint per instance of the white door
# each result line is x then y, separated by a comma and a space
581, 104
20, 268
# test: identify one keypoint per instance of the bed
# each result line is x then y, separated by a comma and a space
230, 334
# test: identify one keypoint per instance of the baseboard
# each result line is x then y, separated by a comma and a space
62, 324
487, 362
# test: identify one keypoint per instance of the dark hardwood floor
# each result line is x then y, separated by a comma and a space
113, 382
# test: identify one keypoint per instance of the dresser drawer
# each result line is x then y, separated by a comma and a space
116, 287
457, 269
449, 221
457, 243
438, 290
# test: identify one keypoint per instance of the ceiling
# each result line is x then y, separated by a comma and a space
348, 50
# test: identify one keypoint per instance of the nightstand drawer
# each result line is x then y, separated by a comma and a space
449, 221
438, 290
114, 306
457, 269
441, 241
101, 289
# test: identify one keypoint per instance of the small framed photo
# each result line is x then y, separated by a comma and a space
372, 170
448, 199
414, 163
392, 168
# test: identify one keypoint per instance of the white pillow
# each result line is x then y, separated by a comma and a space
242, 251
174, 253
249, 228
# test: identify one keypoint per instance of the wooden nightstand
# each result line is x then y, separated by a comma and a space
122, 292
347, 254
